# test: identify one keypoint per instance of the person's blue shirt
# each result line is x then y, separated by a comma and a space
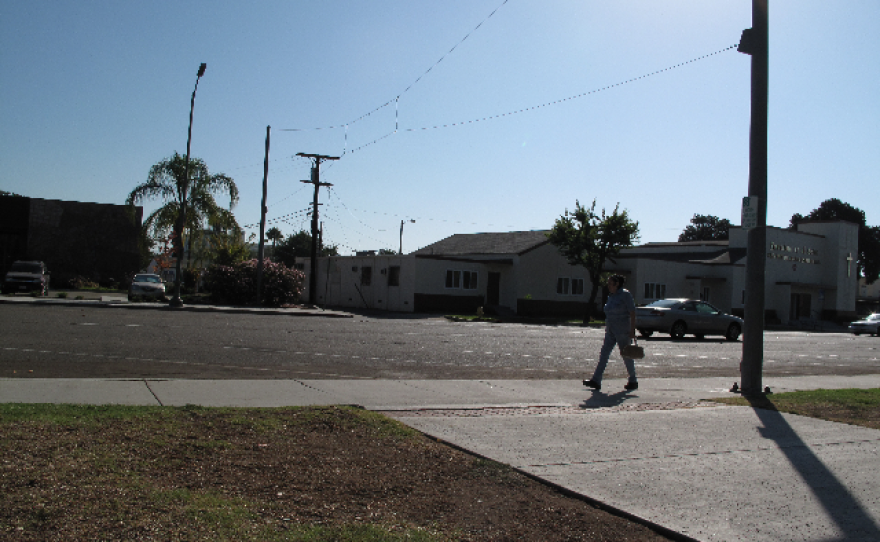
617, 309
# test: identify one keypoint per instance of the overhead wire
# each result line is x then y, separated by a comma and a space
411, 85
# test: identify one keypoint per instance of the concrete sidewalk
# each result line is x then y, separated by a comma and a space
655, 454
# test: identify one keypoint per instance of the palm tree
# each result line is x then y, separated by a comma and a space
274, 235
165, 182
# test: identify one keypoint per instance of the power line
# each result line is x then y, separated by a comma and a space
411, 85
533, 108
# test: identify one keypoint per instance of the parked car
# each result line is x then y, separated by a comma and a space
26, 276
869, 325
146, 285
680, 316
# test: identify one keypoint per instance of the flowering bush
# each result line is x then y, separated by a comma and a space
237, 284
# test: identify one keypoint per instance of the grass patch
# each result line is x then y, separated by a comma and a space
852, 406
70, 415
471, 318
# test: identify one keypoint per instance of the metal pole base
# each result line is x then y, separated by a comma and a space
175, 302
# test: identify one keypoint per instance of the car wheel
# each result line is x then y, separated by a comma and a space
645, 333
733, 332
856, 334
678, 330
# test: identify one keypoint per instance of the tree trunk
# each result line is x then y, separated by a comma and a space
591, 304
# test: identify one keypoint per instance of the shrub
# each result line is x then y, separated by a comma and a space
237, 284
62, 295
82, 283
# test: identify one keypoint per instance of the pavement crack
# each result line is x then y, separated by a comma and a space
147, 384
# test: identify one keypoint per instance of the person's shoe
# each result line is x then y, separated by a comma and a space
592, 384
631, 386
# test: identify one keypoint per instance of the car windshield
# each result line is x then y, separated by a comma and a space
21, 267
664, 303
873, 317
147, 278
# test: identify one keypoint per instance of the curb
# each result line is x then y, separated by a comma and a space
163, 307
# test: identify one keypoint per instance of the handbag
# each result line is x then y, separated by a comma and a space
633, 351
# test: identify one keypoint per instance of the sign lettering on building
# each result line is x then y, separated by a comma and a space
793, 254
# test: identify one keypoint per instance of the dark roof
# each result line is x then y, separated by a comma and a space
515, 242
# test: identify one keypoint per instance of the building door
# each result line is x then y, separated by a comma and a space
493, 289
800, 306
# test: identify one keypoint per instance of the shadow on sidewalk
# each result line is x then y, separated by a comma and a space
842, 507
604, 400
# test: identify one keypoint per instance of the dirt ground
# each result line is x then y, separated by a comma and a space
206, 474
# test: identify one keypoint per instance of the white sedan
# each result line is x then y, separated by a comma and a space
869, 325
680, 316
145, 285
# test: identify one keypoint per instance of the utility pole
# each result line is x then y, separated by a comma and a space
754, 42
315, 180
401, 234
263, 222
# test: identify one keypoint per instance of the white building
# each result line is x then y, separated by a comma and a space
810, 274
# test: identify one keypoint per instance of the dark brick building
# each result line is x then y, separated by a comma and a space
93, 240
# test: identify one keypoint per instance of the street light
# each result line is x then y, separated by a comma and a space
176, 301
401, 234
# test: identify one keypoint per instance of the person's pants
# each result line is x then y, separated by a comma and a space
620, 339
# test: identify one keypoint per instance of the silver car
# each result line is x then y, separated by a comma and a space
869, 325
146, 285
680, 316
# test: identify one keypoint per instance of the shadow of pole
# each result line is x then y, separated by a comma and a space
841, 506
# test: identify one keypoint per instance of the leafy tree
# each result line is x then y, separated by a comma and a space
869, 236
228, 248
299, 245
166, 181
589, 239
706, 228
387, 252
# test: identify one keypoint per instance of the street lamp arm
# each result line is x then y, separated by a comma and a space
176, 301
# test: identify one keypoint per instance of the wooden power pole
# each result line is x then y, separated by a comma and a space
755, 43
263, 222
315, 180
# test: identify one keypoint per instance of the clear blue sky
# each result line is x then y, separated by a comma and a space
92, 93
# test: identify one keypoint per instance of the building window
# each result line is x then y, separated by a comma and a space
394, 275
470, 280
569, 286
654, 290
705, 295
562, 285
453, 279
461, 279
366, 275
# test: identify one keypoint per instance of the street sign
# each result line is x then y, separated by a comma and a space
749, 216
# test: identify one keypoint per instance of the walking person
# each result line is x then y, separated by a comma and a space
620, 328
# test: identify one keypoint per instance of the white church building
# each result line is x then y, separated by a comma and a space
810, 274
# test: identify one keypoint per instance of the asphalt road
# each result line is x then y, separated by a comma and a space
79, 342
